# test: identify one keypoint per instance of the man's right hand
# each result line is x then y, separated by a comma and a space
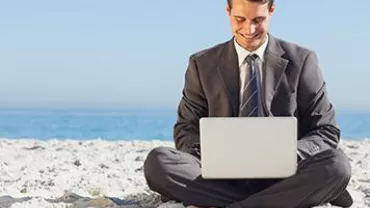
195, 150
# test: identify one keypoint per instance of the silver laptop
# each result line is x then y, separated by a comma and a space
248, 147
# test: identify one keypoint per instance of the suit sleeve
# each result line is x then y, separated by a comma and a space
317, 122
192, 107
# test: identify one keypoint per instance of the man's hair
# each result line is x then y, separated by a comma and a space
270, 2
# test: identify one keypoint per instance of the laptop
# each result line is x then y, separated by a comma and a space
248, 147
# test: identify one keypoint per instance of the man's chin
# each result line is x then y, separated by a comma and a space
250, 46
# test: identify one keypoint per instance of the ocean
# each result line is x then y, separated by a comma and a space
127, 124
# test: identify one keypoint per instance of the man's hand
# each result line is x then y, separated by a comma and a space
195, 150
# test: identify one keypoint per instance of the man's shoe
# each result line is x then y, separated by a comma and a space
164, 199
344, 200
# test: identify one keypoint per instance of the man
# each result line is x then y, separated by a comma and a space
288, 82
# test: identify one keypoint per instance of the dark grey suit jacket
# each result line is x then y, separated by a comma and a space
293, 85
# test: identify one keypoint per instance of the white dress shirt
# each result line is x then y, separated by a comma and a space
242, 54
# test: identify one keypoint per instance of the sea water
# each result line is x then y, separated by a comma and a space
124, 124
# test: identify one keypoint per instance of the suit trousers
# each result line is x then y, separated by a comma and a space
177, 175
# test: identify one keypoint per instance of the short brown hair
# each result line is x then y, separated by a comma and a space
271, 2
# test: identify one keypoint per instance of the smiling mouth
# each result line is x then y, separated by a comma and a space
249, 37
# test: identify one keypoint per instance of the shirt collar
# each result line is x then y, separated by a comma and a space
242, 53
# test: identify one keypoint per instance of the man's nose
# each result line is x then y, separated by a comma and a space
249, 29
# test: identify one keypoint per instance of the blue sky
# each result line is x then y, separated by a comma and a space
116, 54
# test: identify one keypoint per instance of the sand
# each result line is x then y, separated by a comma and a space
100, 173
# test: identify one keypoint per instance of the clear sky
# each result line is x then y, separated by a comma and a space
121, 53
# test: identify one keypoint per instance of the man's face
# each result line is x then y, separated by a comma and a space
249, 22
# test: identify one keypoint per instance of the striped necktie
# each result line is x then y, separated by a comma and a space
249, 103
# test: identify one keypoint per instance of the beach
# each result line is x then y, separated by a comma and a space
100, 173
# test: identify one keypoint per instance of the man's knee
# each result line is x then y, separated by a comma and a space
339, 166
155, 162
154, 159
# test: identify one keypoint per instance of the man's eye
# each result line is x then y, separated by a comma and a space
239, 19
258, 20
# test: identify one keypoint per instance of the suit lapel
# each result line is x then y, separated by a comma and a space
228, 70
275, 67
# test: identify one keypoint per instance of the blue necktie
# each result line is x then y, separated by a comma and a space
249, 104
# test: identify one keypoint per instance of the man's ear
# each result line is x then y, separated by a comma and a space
228, 9
272, 9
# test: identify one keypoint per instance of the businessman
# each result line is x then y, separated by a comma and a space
254, 74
